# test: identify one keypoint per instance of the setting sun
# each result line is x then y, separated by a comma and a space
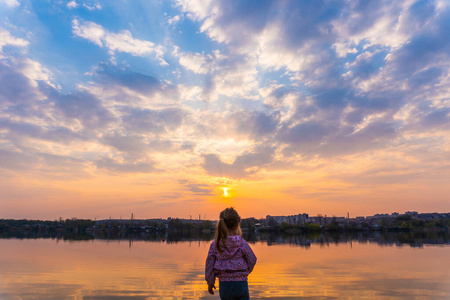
225, 192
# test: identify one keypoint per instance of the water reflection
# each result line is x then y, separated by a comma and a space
411, 238
321, 266
408, 238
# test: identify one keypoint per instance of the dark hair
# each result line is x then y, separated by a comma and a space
229, 219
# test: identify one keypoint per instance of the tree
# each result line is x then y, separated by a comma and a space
311, 227
333, 225
207, 225
175, 224
284, 226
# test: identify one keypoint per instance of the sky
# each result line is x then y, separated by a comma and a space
183, 108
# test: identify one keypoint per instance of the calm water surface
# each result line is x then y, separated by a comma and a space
287, 268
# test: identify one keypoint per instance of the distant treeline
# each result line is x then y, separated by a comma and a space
407, 221
403, 222
50, 226
74, 225
87, 225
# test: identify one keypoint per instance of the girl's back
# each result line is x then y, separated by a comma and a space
230, 258
235, 263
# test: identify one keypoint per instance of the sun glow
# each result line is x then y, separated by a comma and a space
225, 192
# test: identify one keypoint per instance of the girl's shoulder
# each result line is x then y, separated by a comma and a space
237, 239
212, 248
244, 242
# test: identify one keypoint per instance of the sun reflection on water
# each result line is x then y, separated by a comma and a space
110, 269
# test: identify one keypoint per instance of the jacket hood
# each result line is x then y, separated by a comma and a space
232, 245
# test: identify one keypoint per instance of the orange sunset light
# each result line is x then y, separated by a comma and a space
268, 114
225, 192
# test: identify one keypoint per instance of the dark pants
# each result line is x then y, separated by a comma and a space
233, 290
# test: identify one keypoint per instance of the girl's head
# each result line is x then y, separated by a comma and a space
229, 220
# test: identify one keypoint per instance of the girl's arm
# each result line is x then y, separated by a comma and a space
249, 256
209, 266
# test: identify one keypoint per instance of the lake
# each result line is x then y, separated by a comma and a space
320, 266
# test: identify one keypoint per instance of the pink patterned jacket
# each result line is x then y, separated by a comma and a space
234, 264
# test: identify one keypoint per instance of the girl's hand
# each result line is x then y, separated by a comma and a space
210, 288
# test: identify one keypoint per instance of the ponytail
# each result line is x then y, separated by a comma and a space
221, 234
229, 219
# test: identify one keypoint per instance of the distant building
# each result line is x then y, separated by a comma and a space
339, 219
292, 220
316, 220
382, 215
411, 213
298, 219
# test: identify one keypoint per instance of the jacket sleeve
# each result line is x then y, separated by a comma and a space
209, 266
249, 256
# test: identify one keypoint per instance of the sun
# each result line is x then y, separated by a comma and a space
225, 192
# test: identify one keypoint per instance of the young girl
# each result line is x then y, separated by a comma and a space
230, 258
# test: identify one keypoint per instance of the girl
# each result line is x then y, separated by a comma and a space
230, 258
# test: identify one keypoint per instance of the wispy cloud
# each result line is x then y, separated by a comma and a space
11, 3
122, 41
6, 39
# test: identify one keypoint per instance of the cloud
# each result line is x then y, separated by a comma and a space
375, 135
438, 117
6, 39
256, 125
16, 160
96, 6
137, 146
82, 107
425, 48
124, 167
55, 134
304, 133
62, 167
153, 121
200, 189
16, 87
367, 64
122, 41
12, 3
246, 17
343, 49
227, 74
134, 145
121, 86
90, 31
72, 4
425, 77
195, 62
284, 34
144, 84
197, 188
243, 166
427, 117
174, 20
40, 164
20, 79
